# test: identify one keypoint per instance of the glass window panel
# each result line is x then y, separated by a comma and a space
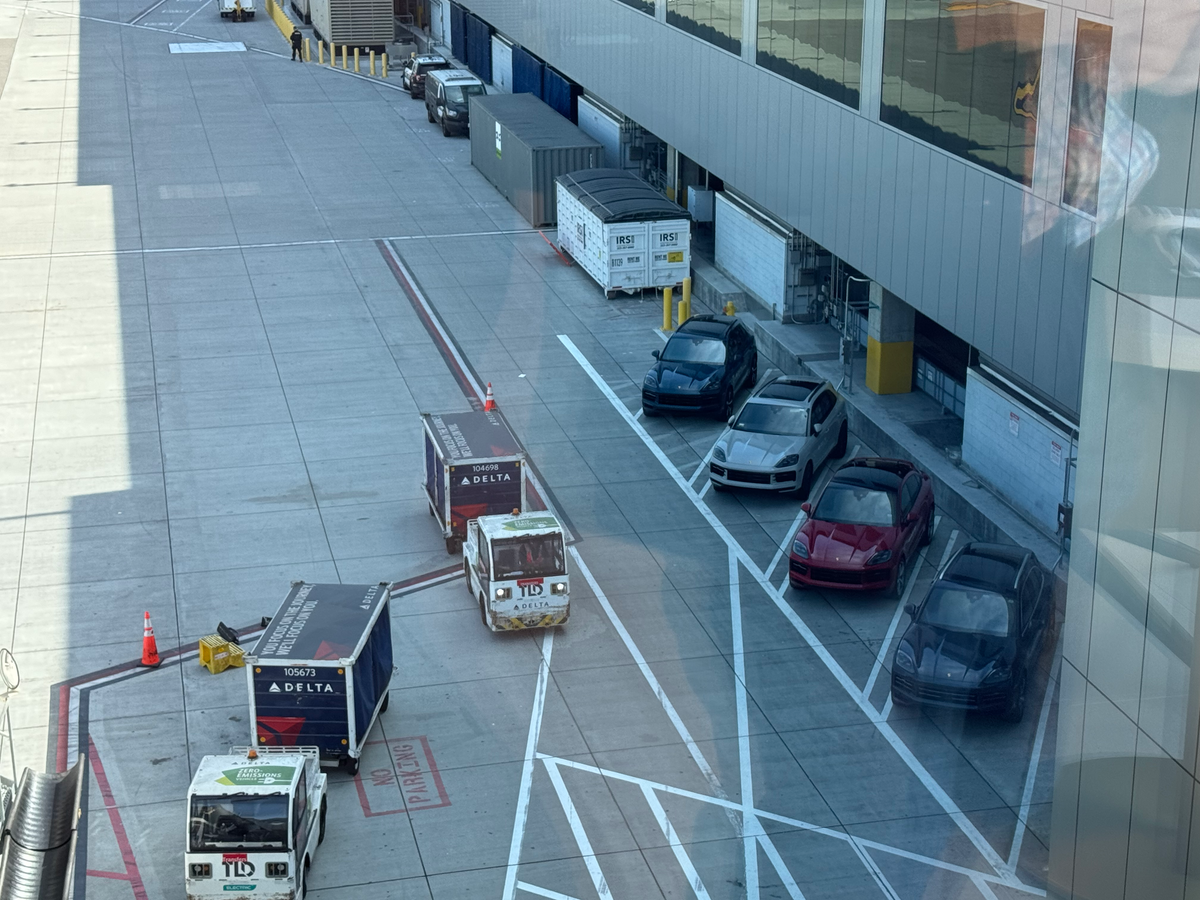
816, 43
717, 21
1089, 97
643, 5
964, 77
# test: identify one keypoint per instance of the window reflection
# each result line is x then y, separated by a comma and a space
642, 5
717, 21
1089, 95
964, 76
816, 43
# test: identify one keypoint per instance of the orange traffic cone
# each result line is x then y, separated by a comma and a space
489, 401
150, 657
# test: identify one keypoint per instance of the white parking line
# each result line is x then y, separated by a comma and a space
681, 855
638, 414
542, 892
891, 632
581, 838
939, 794
800, 824
531, 742
1014, 857
743, 726
704, 490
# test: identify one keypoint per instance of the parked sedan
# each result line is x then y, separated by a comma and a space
975, 638
707, 361
868, 524
784, 432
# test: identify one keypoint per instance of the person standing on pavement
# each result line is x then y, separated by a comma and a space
297, 41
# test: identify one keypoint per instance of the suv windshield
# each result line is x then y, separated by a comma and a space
853, 504
458, 94
531, 557
972, 612
769, 418
690, 348
248, 822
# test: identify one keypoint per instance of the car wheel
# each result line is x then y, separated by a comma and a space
839, 449
321, 822
927, 537
805, 482
467, 576
483, 611
428, 114
445, 130
726, 409
901, 581
1015, 711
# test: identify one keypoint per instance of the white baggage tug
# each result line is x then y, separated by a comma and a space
255, 818
516, 566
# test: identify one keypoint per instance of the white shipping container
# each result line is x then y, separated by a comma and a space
623, 233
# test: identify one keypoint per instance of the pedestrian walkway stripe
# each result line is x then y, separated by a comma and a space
213, 47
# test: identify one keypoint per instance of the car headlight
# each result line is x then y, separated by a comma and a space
799, 548
558, 587
999, 673
904, 659
718, 454
880, 558
712, 384
503, 593
649, 381
790, 460
452, 114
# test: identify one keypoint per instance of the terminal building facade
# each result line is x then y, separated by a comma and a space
1015, 179
949, 152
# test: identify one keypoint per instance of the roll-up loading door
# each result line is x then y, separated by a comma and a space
502, 64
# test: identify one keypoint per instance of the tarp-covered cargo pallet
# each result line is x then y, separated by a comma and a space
320, 673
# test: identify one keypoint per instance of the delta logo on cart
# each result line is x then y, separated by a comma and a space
238, 865
257, 775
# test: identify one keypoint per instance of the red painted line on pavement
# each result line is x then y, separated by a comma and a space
115, 876
114, 816
555, 249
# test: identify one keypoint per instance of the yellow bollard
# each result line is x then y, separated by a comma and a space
307, 50
356, 59
682, 308
344, 55
332, 53
320, 53
385, 65
372, 62
666, 309
687, 298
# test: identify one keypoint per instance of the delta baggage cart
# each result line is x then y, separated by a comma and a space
516, 568
623, 232
254, 819
320, 673
474, 467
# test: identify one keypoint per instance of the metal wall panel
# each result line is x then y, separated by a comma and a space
952, 245
1007, 277
1050, 306
804, 166
1073, 323
990, 226
967, 287
1029, 287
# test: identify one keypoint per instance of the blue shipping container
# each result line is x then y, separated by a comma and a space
320, 673
527, 72
458, 31
479, 47
560, 94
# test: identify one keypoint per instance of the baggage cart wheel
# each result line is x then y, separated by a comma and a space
453, 545
349, 765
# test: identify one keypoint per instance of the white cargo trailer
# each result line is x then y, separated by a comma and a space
623, 232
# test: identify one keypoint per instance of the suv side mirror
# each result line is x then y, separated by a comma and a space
911, 610
731, 420
806, 507
817, 426
654, 353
